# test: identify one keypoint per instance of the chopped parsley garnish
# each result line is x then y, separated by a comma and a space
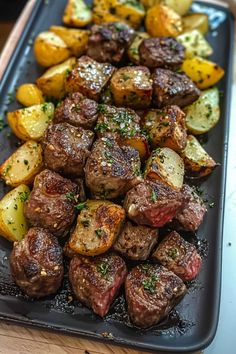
101, 126
146, 267
101, 108
103, 268
26, 162
150, 284
108, 143
108, 156
68, 72
153, 196
44, 107
23, 196
85, 222
99, 232
70, 196
76, 108
7, 170
172, 252
126, 77
81, 206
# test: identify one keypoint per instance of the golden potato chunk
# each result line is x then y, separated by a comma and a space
131, 86
23, 165
166, 166
13, 224
179, 6
77, 13
29, 95
50, 49
198, 21
97, 227
133, 51
131, 11
89, 77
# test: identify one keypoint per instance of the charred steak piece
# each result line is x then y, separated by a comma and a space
96, 281
136, 242
179, 256
171, 88
66, 148
151, 292
111, 170
37, 263
77, 110
162, 52
191, 216
153, 204
51, 203
108, 42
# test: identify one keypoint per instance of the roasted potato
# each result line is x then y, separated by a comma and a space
166, 166
77, 14
13, 224
97, 227
131, 86
52, 82
29, 95
203, 72
198, 163
139, 142
131, 11
195, 44
103, 13
75, 39
198, 21
23, 165
161, 21
50, 49
30, 123
179, 6
133, 51
203, 114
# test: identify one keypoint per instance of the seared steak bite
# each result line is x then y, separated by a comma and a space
66, 148
153, 204
77, 110
162, 52
151, 292
179, 256
108, 42
37, 263
51, 203
111, 170
89, 77
171, 88
191, 216
96, 281
136, 242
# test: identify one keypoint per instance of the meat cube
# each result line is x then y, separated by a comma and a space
66, 148
108, 42
191, 216
151, 292
166, 127
131, 86
37, 263
96, 281
89, 77
162, 52
111, 170
170, 88
136, 242
179, 256
153, 204
51, 203
77, 110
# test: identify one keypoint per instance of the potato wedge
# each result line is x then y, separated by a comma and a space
140, 143
102, 14
195, 44
23, 165
75, 39
29, 95
166, 166
198, 163
52, 82
179, 6
13, 224
131, 11
97, 227
198, 21
163, 21
30, 123
203, 72
203, 114
133, 52
77, 14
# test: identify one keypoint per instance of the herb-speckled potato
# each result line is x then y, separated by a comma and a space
131, 86
133, 51
23, 165
102, 12
98, 225
13, 224
195, 44
198, 21
166, 166
29, 95
131, 11
77, 13
31, 122
89, 77
50, 49
179, 6
198, 163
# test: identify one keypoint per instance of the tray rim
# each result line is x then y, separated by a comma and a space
17, 319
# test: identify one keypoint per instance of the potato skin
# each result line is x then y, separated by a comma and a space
198, 21
97, 227
29, 95
77, 14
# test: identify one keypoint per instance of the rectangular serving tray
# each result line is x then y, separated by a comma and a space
193, 323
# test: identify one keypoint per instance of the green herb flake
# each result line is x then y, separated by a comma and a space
44, 107
149, 284
126, 77
26, 162
85, 222
103, 268
172, 252
7, 170
23, 196
81, 206
153, 196
100, 127
101, 108
99, 232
